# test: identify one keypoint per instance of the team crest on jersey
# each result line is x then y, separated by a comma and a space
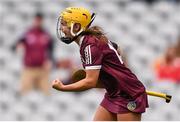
131, 105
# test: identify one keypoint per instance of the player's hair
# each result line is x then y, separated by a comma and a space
99, 33
39, 15
177, 48
170, 54
96, 31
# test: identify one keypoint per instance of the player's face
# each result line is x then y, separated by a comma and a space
66, 33
65, 29
38, 22
170, 52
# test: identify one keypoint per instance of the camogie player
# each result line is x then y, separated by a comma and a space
126, 98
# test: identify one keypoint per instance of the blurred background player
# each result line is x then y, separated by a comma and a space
167, 67
38, 55
125, 98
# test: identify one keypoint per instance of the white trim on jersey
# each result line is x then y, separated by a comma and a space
81, 40
90, 54
87, 52
93, 67
119, 57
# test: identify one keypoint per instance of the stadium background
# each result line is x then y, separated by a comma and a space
143, 31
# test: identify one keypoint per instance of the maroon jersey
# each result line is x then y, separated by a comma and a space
38, 46
118, 80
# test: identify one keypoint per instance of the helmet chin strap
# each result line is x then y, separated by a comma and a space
72, 33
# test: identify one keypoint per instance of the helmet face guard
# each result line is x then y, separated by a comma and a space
61, 36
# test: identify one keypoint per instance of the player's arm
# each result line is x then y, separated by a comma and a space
90, 81
20, 44
93, 59
81, 74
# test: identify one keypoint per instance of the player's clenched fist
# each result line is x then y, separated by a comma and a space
57, 84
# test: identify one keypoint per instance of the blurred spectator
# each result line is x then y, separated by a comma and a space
177, 49
177, 60
168, 66
65, 64
38, 48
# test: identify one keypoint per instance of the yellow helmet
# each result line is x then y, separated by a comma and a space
76, 15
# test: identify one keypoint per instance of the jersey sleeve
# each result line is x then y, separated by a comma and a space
92, 57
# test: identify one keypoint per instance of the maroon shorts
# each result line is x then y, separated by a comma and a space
123, 105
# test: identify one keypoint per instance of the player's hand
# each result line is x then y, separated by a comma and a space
57, 84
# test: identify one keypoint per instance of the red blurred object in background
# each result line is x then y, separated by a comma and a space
168, 71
